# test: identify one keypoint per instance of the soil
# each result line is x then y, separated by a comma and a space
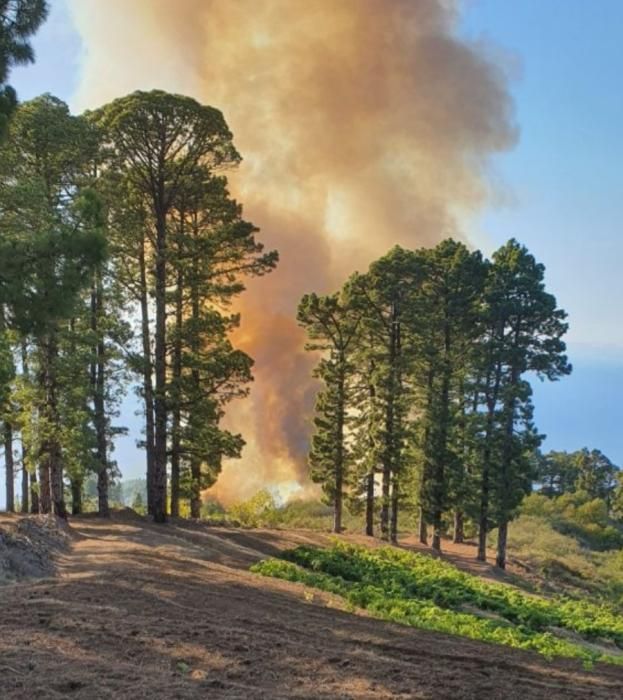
138, 610
28, 546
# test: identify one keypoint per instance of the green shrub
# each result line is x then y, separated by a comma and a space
257, 511
429, 593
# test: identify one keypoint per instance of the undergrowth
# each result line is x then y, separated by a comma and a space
427, 593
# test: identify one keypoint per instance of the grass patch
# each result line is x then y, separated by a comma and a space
427, 593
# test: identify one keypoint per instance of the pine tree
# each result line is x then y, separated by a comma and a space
385, 297
48, 247
332, 326
19, 20
523, 334
156, 143
448, 306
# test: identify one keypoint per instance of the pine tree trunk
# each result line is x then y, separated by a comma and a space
25, 489
45, 493
9, 465
370, 505
195, 489
34, 493
483, 521
337, 512
459, 532
423, 528
103, 506
148, 391
441, 443
76, 497
175, 465
485, 486
393, 525
339, 462
436, 542
500, 560
370, 481
160, 367
52, 447
29, 481
98, 388
506, 467
385, 501
56, 481
425, 476
176, 413
389, 447
50, 471
195, 463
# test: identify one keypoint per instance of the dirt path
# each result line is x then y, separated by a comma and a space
141, 611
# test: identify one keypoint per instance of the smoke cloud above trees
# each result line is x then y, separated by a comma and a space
361, 124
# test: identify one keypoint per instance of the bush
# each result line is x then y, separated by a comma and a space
421, 591
257, 511
579, 516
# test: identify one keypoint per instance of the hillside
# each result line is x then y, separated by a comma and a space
143, 611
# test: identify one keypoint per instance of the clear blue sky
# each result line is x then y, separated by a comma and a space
564, 180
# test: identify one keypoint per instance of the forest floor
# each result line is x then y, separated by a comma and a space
137, 610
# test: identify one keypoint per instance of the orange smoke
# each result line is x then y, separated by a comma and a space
363, 123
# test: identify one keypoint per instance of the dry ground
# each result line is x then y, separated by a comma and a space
145, 611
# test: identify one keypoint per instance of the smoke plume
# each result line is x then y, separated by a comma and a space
362, 124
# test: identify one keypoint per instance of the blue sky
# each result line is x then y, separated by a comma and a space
565, 187
562, 187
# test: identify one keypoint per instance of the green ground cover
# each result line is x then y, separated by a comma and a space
428, 593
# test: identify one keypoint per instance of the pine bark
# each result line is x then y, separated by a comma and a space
370, 504
160, 367
483, 520
441, 444
509, 428
176, 412
52, 448
195, 463
425, 476
393, 524
98, 380
34, 493
148, 390
76, 497
370, 482
458, 530
9, 465
485, 485
339, 461
389, 447
422, 528
45, 493
25, 489
500, 560
29, 481
195, 488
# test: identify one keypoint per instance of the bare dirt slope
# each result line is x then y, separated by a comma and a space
144, 611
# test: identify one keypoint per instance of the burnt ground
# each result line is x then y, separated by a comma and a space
137, 610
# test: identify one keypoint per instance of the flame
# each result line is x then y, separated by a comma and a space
362, 123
